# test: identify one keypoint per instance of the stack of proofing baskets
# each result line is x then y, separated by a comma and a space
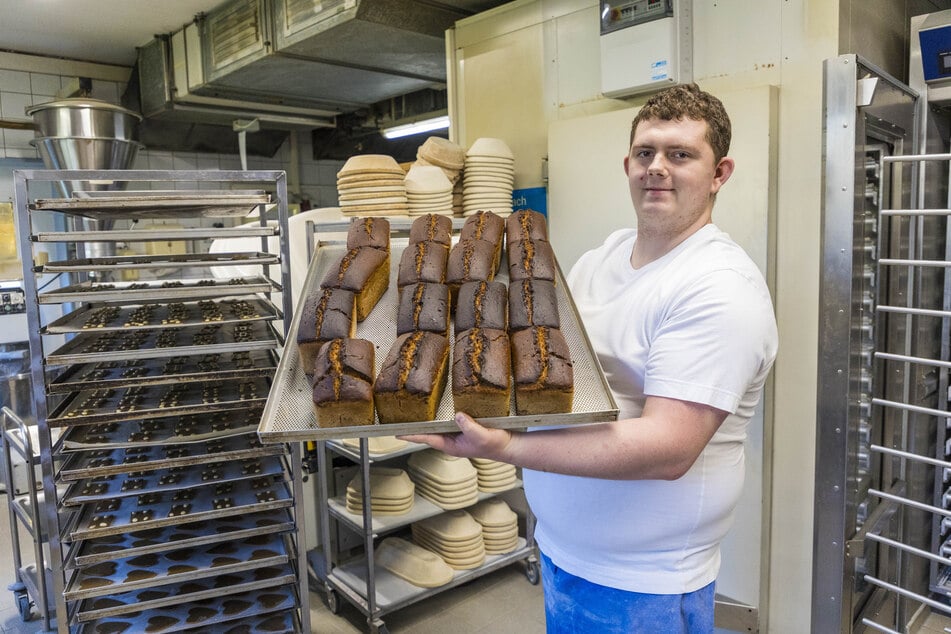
169, 513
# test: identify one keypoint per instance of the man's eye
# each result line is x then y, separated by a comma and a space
680, 155
643, 154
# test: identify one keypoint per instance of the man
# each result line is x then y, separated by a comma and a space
631, 513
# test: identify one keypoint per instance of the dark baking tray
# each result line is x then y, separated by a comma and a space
185, 260
170, 430
158, 291
121, 485
91, 551
289, 413
105, 318
159, 509
153, 401
160, 343
225, 610
157, 569
107, 462
222, 367
261, 579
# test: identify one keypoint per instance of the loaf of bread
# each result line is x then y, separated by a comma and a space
481, 372
431, 228
328, 313
423, 262
369, 232
533, 302
366, 272
413, 378
541, 365
485, 225
481, 304
470, 260
424, 307
526, 224
531, 259
343, 383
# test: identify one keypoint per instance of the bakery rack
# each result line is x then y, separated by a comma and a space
162, 508
289, 415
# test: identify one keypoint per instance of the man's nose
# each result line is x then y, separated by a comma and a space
657, 166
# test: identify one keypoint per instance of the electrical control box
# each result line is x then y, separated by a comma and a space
646, 45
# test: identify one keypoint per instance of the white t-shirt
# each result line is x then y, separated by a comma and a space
695, 325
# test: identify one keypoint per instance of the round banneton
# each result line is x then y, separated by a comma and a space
442, 152
490, 147
370, 163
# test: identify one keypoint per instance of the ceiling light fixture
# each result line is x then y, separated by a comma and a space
416, 127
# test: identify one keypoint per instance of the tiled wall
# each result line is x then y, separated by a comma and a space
20, 89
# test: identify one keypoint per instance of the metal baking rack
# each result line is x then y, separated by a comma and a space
191, 475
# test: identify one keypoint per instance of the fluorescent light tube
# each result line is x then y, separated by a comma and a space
417, 127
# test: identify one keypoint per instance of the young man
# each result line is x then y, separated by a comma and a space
631, 513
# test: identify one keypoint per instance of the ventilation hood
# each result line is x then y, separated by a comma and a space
296, 63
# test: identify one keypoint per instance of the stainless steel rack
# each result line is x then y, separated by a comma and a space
163, 508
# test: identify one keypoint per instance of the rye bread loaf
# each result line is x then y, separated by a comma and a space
343, 383
412, 379
431, 228
526, 224
481, 304
541, 365
363, 270
470, 260
481, 372
424, 307
369, 232
422, 262
485, 225
533, 302
531, 259
328, 313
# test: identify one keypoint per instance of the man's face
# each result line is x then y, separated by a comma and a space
672, 175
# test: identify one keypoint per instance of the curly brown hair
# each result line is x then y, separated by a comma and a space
687, 101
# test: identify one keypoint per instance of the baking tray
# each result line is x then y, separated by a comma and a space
158, 432
91, 551
189, 591
157, 569
158, 291
154, 401
136, 483
289, 413
226, 609
128, 262
160, 371
157, 235
108, 462
112, 317
171, 509
158, 343
155, 204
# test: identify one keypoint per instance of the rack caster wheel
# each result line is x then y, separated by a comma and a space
532, 573
23, 605
378, 628
333, 602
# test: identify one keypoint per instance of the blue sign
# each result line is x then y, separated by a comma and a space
535, 198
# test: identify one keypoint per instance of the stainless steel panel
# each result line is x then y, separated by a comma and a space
158, 291
112, 205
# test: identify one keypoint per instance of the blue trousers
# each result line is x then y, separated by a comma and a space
576, 606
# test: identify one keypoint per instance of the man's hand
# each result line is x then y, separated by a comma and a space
472, 441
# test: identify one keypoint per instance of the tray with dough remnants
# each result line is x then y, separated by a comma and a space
289, 412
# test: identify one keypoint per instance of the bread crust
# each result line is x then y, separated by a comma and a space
366, 272
533, 302
343, 383
481, 304
412, 379
541, 366
481, 372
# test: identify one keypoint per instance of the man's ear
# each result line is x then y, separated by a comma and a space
722, 173
627, 160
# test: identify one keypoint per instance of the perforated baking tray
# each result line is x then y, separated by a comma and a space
124, 316
157, 569
157, 204
221, 367
153, 401
158, 291
211, 531
95, 347
289, 413
128, 262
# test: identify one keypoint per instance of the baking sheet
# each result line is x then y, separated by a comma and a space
154, 401
128, 262
233, 366
257, 580
156, 235
158, 291
157, 204
158, 432
289, 413
91, 551
157, 569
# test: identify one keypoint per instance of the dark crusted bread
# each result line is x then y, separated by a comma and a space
481, 372
431, 228
541, 364
470, 260
343, 383
369, 232
423, 262
366, 272
531, 259
533, 303
481, 304
485, 225
424, 307
413, 377
526, 224
328, 313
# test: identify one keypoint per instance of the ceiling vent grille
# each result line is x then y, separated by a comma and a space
235, 31
299, 12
